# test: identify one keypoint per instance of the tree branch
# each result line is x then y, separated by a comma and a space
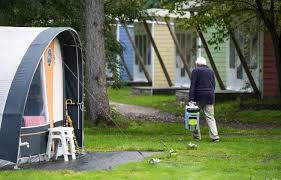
236, 26
267, 21
270, 25
245, 2
272, 12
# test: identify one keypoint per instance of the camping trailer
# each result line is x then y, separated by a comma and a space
41, 68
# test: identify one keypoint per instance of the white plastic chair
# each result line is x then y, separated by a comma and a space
65, 135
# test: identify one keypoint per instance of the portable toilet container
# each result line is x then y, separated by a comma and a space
192, 117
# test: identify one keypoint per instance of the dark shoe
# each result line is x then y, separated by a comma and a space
196, 138
216, 140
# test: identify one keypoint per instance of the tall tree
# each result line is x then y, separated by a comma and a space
71, 13
98, 104
50, 13
225, 15
270, 13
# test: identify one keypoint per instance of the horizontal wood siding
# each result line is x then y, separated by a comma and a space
219, 55
166, 47
128, 53
270, 79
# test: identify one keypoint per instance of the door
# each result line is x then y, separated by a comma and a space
58, 101
250, 46
188, 46
49, 74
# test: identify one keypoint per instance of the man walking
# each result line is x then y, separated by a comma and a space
202, 92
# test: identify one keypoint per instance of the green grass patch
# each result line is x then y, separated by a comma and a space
163, 102
225, 112
241, 154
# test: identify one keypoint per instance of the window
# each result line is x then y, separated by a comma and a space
143, 45
188, 45
249, 45
232, 55
182, 72
35, 111
193, 54
254, 51
242, 46
148, 54
140, 50
239, 74
137, 44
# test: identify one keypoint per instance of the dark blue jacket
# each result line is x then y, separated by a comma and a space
202, 88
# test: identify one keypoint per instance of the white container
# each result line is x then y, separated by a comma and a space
192, 116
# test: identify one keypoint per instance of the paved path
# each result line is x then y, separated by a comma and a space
145, 113
92, 161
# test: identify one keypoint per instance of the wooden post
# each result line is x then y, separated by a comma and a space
139, 58
158, 54
244, 63
185, 65
125, 66
205, 45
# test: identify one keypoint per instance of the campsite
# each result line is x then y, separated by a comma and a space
144, 89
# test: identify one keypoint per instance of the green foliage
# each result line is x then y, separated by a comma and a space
163, 102
224, 16
71, 13
125, 10
112, 50
43, 13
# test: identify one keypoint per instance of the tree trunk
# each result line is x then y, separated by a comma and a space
98, 104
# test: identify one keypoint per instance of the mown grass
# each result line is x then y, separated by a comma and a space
163, 102
225, 112
154, 136
241, 154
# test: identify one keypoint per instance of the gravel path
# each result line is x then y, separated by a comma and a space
145, 113
152, 114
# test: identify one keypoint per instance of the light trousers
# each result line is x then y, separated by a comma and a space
208, 110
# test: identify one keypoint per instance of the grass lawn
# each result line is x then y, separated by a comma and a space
241, 154
224, 111
124, 95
